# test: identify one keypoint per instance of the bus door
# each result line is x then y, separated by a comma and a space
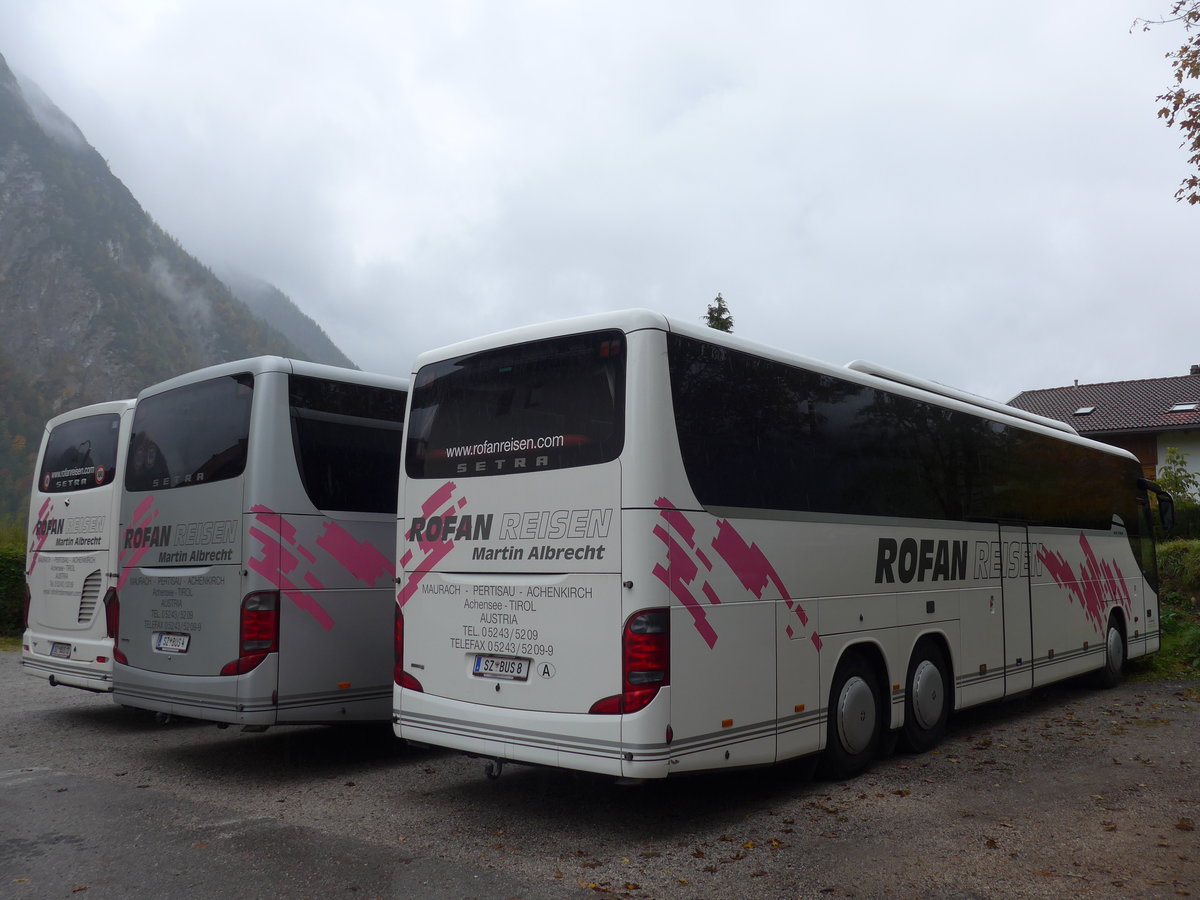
1017, 608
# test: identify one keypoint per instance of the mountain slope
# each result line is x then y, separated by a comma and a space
275, 307
97, 300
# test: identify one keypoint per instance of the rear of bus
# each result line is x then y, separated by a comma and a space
70, 562
517, 636
256, 577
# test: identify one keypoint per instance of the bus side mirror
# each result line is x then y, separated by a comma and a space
1166, 510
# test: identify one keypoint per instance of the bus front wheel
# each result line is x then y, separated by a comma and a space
853, 719
926, 698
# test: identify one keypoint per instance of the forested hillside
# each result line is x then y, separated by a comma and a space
96, 299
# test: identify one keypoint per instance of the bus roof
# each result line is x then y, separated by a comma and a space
934, 387
259, 365
94, 409
871, 374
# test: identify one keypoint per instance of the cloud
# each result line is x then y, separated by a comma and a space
978, 194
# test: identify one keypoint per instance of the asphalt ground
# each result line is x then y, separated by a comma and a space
1069, 789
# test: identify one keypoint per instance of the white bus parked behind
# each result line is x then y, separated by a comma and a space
258, 521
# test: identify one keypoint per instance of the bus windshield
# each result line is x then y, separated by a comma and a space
81, 453
196, 434
548, 404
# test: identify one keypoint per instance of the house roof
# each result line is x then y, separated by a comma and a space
1154, 404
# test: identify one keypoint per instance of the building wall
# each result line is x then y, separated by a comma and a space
1151, 449
1187, 442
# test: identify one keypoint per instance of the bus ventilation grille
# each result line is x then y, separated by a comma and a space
89, 598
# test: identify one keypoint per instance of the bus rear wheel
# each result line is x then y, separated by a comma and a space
1109, 675
926, 698
853, 721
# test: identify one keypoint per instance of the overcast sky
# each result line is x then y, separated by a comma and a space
977, 193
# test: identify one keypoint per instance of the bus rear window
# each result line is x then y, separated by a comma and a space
80, 454
195, 434
347, 440
549, 404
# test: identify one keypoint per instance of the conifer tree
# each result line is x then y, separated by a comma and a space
718, 315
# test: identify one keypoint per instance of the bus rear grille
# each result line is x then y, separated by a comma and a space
89, 597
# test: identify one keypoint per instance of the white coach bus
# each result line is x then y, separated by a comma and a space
70, 563
258, 522
634, 546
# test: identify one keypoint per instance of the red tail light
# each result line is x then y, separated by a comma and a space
259, 632
25, 613
401, 677
645, 663
112, 622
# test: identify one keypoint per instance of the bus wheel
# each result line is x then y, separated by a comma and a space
926, 698
1114, 657
852, 740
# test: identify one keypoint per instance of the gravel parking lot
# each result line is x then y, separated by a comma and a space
1067, 790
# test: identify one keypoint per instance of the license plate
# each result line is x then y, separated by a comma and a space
511, 668
60, 651
171, 643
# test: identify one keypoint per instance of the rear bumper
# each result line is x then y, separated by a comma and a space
236, 699
81, 670
586, 743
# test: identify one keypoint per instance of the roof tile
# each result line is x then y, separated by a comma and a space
1118, 405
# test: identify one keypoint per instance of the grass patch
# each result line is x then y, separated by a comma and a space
1179, 655
1179, 616
8, 643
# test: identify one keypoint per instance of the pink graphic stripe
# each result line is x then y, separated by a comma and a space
360, 558
1094, 586
143, 516
680, 572
274, 575
275, 522
746, 561
677, 520
436, 550
40, 541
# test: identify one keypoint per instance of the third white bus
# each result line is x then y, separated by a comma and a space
635, 546
70, 563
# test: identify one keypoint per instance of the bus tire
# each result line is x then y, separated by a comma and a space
1109, 675
927, 693
853, 722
